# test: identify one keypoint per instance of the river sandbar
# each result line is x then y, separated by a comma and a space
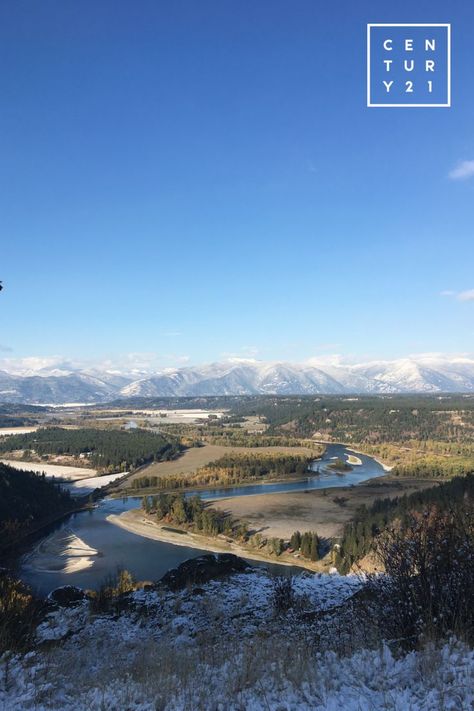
62, 551
354, 461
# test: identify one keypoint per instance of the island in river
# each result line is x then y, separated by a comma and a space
340, 465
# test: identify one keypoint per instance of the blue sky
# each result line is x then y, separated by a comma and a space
197, 179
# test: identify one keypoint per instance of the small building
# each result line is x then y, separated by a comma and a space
130, 425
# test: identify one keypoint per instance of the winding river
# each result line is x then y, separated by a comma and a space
86, 548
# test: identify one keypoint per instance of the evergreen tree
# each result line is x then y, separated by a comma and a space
161, 508
295, 540
276, 545
178, 510
306, 545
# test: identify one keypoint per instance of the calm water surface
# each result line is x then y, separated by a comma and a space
150, 560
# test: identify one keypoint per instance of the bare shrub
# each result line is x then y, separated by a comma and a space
428, 589
110, 595
282, 594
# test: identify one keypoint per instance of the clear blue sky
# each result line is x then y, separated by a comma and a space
195, 179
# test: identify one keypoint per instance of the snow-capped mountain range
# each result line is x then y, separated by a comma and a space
424, 374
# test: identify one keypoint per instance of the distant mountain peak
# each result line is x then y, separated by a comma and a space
243, 376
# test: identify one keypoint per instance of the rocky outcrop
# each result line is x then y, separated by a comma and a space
67, 595
197, 571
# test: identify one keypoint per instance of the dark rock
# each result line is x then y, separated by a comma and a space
67, 595
202, 569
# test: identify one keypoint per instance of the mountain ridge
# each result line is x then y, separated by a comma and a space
425, 374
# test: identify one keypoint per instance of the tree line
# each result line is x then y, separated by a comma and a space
436, 468
12, 421
232, 469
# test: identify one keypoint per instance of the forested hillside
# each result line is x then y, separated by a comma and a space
12, 415
456, 495
106, 450
27, 499
397, 418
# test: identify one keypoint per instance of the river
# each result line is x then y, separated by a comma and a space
86, 548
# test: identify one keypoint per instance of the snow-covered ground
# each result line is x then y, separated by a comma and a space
58, 471
80, 480
222, 647
86, 486
8, 431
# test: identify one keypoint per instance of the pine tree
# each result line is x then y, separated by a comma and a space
161, 509
276, 545
178, 511
295, 541
306, 545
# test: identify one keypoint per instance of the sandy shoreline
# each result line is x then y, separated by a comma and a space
135, 522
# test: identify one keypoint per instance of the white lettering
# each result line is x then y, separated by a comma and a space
409, 62
408, 45
387, 63
386, 43
430, 86
429, 65
430, 44
388, 85
409, 87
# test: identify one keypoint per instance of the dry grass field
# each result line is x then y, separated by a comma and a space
281, 514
